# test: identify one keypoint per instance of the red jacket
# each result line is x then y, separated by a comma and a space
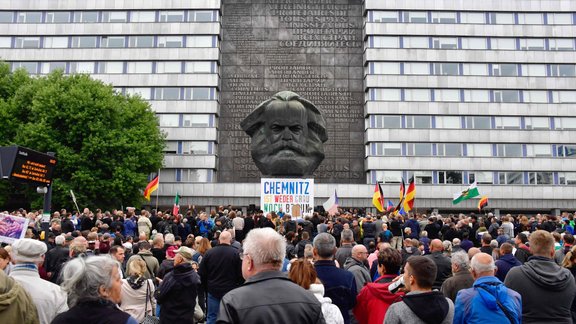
373, 301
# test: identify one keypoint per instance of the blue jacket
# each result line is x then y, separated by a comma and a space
504, 264
339, 285
415, 227
476, 305
130, 227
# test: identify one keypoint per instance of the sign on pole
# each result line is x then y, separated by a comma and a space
292, 196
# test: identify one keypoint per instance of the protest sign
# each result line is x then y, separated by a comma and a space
292, 196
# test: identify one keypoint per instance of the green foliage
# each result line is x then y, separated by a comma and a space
106, 143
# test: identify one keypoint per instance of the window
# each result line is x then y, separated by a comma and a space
115, 16
540, 178
502, 18
511, 178
561, 44
417, 68
448, 122
559, 18
194, 175
84, 41
169, 67
504, 69
6, 16
197, 94
196, 120
415, 42
386, 68
445, 42
537, 122
384, 121
450, 177
446, 68
507, 122
48, 67
564, 96
58, 17
30, 17
111, 68
479, 150
385, 16
443, 17
447, 95
167, 93
195, 148
566, 150
139, 67
30, 67
387, 149
55, 42
27, 42
478, 122
476, 96
169, 120
171, 16
538, 150
532, 44
449, 149
198, 67
202, 16
530, 18
480, 177
473, 18
534, 70
503, 43
563, 70
417, 94
509, 150
199, 41
170, 41
415, 16
143, 16
389, 176
144, 93
418, 122
421, 177
141, 41
506, 96
86, 17
419, 149
385, 42
171, 147
567, 178
82, 67
565, 123
473, 43
475, 69
381, 94
113, 41
534, 96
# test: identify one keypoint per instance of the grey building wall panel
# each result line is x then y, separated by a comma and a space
186, 161
196, 106
164, 80
205, 28
109, 4
197, 134
486, 5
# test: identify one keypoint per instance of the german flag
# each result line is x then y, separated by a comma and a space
402, 191
378, 197
151, 187
410, 196
483, 202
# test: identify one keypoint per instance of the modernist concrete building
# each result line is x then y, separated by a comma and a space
455, 91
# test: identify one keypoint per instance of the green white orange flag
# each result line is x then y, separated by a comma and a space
469, 193
176, 208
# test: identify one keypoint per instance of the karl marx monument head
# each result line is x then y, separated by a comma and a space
287, 133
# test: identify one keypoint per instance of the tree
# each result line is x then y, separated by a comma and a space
106, 143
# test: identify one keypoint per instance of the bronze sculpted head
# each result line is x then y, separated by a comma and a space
287, 133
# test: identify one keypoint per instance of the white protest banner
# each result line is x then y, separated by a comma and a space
12, 228
292, 196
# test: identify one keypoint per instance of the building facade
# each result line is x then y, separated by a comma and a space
454, 92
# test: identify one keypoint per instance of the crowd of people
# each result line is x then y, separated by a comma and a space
227, 266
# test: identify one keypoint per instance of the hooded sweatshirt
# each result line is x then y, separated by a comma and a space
330, 311
374, 300
547, 290
16, 306
421, 307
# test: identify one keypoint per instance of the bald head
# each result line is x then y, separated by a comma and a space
482, 265
436, 246
359, 252
472, 252
225, 238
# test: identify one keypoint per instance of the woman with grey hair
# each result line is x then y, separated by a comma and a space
94, 289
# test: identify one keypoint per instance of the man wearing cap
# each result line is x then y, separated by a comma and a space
177, 292
50, 299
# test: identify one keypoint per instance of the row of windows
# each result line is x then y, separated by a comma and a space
190, 147
480, 69
119, 67
187, 175
472, 43
481, 177
471, 150
37, 17
171, 93
471, 122
186, 120
141, 41
468, 95
468, 17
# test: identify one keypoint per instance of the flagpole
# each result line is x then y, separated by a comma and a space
158, 191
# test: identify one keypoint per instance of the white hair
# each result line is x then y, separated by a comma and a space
265, 246
82, 277
169, 238
481, 267
59, 240
460, 258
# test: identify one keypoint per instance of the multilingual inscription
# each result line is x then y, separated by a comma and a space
311, 47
